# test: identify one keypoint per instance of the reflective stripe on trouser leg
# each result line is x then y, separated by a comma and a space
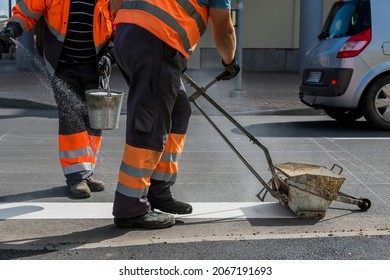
168, 166
167, 169
78, 152
135, 171
133, 181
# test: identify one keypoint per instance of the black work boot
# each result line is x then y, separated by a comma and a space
95, 185
80, 189
172, 206
150, 220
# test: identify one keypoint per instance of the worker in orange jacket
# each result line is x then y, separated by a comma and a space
152, 42
76, 38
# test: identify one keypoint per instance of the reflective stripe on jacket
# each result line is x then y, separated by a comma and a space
56, 14
179, 23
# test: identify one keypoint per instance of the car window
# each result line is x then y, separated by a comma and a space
347, 19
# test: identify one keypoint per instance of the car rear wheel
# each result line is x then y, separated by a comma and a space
376, 106
343, 115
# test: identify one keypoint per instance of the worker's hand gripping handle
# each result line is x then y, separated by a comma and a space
231, 70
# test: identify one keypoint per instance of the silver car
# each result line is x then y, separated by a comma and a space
347, 72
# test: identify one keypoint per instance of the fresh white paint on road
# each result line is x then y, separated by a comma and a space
103, 210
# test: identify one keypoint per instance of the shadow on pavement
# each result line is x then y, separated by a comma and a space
48, 244
60, 191
313, 129
31, 110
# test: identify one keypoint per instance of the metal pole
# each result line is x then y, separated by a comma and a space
239, 24
9, 8
310, 26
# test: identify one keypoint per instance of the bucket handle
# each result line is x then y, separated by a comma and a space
104, 83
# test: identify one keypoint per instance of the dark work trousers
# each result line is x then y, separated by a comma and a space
157, 104
69, 83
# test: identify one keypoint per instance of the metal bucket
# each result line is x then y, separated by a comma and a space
104, 108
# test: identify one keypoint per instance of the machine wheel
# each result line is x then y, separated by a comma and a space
364, 204
376, 104
343, 115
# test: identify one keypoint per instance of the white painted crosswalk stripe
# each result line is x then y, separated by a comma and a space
103, 210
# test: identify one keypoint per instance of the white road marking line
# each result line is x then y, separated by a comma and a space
103, 210
13, 129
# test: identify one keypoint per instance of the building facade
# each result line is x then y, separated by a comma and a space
270, 35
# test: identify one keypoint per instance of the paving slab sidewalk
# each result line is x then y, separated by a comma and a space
254, 93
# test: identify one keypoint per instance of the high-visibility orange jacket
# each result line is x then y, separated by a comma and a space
56, 14
180, 23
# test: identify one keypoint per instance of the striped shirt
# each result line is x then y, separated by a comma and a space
79, 46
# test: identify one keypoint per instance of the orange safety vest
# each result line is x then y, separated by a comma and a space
179, 23
56, 14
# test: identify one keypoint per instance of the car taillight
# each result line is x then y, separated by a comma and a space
355, 44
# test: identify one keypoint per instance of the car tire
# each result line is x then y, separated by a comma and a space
376, 104
343, 115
